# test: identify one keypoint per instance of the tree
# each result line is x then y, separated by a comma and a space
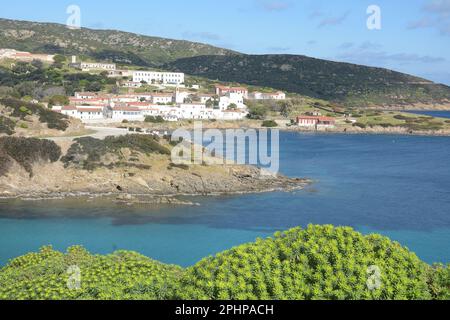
257, 111
94, 86
232, 106
58, 100
270, 124
38, 64
59, 59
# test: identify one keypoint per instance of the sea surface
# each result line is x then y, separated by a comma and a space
438, 114
398, 186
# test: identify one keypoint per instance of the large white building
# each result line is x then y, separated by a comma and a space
267, 96
231, 99
25, 56
88, 66
158, 77
84, 113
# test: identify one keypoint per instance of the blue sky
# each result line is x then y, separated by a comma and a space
414, 35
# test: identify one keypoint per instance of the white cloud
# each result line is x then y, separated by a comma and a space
335, 20
436, 14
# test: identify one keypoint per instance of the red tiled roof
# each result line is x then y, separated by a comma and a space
162, 95
132, 109
231, 88
142, 104
91, 94
68, 108
90, 109
319, 118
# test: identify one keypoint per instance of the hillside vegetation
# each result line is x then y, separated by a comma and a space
355, 85
121, 47
26, 152
321, 262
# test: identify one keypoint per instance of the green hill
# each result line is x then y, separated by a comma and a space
320, 262
121, 47
352, 84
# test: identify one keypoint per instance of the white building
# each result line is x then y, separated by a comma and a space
192, 111
131, 84
229, 115
267, 96
162, 98
84, 113
230, 99
158, 77
181, 95
127, 113
25, 56
88, 66
205, 97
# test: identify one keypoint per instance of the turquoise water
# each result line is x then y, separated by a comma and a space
395, 185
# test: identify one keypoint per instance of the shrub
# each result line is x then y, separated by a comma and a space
440, 282
402, 117
122, 275
7, 126
87, 152
28, 151
151, 119
320, 262
21, 109
270, 124
179, 166
360, 125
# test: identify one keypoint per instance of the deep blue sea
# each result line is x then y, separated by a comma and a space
439, 114
398, 186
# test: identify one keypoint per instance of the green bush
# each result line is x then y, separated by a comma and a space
402, 117
360, 125
7, 126
21, 109
122, 275
440, 282
151, 119
87, 152
320, 262
28, 151
270, 124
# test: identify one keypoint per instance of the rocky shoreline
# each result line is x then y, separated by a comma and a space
148, 188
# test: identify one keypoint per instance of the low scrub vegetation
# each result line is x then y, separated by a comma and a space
157, 119
270, 124
21, 109
88, 152
26, 152
320, 262
7, 126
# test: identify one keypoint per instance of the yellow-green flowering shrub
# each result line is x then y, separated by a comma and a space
122, 275
320, 262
